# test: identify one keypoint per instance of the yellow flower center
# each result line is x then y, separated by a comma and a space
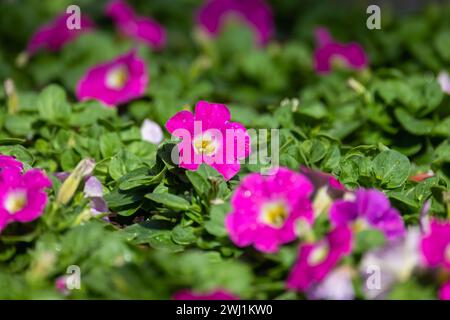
318, 254
360, 225
15, 201
117, 77
204, 144
274, 214
338, 62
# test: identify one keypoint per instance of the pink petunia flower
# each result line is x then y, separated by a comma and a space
142, 29
213, 295
56, 34
316, 260
266, 209
115, 82
444, 81
255, 13
8, 162
370, 208
22, 197
444, 292
208, 136
435, 244
328, 50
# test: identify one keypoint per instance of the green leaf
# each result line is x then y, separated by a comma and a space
413, 125
19, 152
183, 235
169, 200
391, 168
368, 239
19, 125
200, 184
216, 223
52, 105
110, 144
442, 43
122, 163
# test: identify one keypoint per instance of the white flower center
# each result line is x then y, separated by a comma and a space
117, 77
274, 214
205, 144
360, 224
318, 254
15, 201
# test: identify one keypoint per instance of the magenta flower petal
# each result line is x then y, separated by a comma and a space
214, 295
183, 119
444, 292
208, 137
212, 115
55, 35
142, 29
435, 245
8, 162
119, 11
316, 260
343, 212
145, 30
352, 54
228, 171
22, 197
267, 208
115, 82
256, 13
36, 179
373, 207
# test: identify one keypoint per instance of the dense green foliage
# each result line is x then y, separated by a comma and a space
372, 129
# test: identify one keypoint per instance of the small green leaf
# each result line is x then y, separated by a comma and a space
391, 168
169, 200
52, 104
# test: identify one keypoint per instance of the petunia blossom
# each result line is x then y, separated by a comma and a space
266, 209
115, 82
213, 295
22, 196
444, 81
316, 260
208, 136
142, 29
396, 261
435, 244
329, 51
370, 208
54, 35
255, 13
